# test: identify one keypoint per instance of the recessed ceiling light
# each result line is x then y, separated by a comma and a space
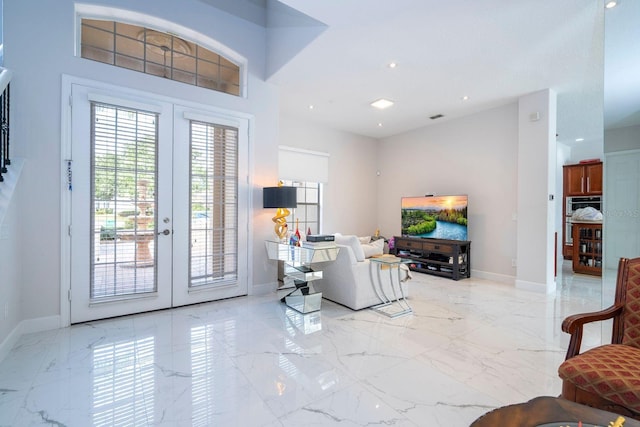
310, 106
465, 98
579, 139
611, 4
382, 103
379, 125
392, 65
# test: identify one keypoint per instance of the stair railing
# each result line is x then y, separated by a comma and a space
5, 80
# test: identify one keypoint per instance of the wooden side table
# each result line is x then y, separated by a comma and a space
543, 410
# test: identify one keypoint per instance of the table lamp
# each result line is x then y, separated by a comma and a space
281, 198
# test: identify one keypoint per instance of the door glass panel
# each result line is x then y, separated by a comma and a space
213, 257
123, 178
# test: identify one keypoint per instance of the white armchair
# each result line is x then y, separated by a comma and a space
348, 279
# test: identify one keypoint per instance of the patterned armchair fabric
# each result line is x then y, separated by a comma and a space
632, 307
611, 371
608, 376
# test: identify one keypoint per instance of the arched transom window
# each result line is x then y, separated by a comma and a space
157, 53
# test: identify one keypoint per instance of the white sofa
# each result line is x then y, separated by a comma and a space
348, 279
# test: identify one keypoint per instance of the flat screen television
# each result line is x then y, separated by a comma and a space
435, 217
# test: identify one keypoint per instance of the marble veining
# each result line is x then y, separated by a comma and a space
470, 346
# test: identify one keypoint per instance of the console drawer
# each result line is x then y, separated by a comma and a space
436, 247
408, 244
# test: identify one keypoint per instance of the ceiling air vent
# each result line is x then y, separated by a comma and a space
437, 116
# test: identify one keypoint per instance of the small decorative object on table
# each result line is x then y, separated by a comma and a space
391, 243
298, 236
619, 422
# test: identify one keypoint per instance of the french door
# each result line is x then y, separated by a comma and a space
156, 204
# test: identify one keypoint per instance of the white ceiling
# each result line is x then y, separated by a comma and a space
491, 51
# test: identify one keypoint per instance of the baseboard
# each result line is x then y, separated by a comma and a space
535, 287
264, 288
495, 277
9, 342
511, 280
40, 324
28, 327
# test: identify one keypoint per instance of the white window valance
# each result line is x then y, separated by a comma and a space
296, 164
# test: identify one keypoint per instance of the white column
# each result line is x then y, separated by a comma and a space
536, 191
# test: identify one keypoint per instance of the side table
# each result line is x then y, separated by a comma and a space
395, 305
299, 274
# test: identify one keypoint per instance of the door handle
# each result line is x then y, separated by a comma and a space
166, 232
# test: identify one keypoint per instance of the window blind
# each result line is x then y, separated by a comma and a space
214, 204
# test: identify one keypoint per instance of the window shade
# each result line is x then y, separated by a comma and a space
296, 164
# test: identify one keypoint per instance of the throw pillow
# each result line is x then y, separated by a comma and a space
374, 248
364, 240
353, 242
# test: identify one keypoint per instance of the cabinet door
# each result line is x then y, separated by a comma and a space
574, 184
594, 178
587, 248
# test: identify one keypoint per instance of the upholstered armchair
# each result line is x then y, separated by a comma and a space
608, 376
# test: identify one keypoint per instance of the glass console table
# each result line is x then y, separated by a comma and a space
299, 274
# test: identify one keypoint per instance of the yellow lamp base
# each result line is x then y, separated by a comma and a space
281, 222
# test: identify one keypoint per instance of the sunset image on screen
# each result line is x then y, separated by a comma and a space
438, 217
434, 202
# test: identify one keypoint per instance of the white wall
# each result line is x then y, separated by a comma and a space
621, 201
350, 197
580, 152
39, 48
622, 139
475, 155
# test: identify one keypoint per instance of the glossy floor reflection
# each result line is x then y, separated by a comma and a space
471, 346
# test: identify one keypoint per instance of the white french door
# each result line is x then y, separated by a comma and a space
211, 212
156, 203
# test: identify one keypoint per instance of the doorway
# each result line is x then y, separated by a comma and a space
155, 204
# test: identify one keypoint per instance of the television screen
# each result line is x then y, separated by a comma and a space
436, 217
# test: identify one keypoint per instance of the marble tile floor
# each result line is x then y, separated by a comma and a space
470, 346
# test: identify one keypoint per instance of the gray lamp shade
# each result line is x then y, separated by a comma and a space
279, 197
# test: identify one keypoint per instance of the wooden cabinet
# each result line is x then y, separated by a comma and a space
582, 184
448, 258
587, 247
583, 179
593, 181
